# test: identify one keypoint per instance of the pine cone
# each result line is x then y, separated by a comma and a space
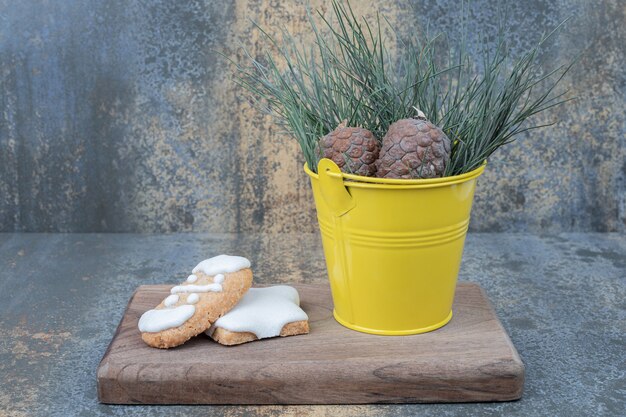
414, 148
354, 149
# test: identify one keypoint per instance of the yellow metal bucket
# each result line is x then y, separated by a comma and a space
393, 247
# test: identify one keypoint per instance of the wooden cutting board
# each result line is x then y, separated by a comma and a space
469, 359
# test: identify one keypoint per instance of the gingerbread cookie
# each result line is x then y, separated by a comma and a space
262, 313
215, 286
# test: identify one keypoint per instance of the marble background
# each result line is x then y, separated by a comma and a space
119, 116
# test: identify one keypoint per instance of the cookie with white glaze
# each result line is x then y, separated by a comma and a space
262, 313
228, 338
216, 285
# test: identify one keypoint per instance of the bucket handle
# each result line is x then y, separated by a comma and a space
335, 194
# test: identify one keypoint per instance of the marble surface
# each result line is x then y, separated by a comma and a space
120, 116
560, 297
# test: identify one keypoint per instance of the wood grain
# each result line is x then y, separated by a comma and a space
470, 359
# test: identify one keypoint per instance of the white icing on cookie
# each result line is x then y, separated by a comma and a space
196, 288
162, 319
158, 320
263, 311
170, 300
222, 264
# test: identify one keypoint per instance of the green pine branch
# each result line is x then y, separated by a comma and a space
348, 73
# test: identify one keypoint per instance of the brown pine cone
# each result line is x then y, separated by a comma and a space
414, 148
354, 149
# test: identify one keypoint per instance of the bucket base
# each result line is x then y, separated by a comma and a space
392, 332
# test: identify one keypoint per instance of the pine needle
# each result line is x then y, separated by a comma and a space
348, 73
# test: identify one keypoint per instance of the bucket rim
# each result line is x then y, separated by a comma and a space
351, 180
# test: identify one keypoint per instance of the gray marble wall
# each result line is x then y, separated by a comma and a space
119, 116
